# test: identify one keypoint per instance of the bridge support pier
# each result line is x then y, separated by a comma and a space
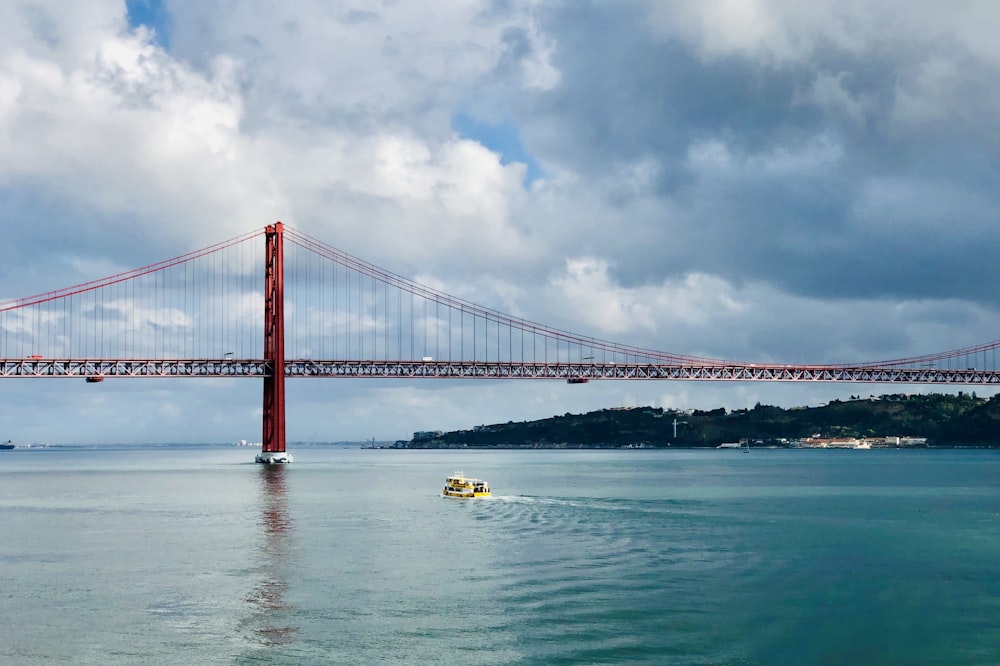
273, 441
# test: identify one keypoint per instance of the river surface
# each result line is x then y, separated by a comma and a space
183, 555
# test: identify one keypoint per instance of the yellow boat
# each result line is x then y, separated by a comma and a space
459, 485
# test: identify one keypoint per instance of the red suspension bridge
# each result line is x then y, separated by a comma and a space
329, 314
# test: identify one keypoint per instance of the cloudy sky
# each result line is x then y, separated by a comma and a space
764, 180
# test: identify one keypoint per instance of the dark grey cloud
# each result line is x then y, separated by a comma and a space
41, 23
891, 182
54, 241
627, 94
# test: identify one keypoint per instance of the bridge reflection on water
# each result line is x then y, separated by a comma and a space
269, 609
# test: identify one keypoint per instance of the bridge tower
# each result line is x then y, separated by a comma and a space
273, 442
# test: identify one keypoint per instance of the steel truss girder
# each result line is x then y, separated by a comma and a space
634, 371
70, 368
76, 368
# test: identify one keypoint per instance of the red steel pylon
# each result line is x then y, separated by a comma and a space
274, 340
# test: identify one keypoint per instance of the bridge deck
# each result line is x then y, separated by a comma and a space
108, 368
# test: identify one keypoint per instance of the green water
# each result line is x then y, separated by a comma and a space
349, 556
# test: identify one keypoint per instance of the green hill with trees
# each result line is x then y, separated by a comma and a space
944, 420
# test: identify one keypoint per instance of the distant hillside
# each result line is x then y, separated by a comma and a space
948, 420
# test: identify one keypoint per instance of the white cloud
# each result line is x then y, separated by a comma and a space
367, 64
777, 30
58, 31
128, 130
587, 289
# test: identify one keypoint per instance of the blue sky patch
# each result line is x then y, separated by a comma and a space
152, 14
502, 138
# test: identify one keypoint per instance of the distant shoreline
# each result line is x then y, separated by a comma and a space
888, 421
616, 447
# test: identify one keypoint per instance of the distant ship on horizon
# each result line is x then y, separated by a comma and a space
6, 445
